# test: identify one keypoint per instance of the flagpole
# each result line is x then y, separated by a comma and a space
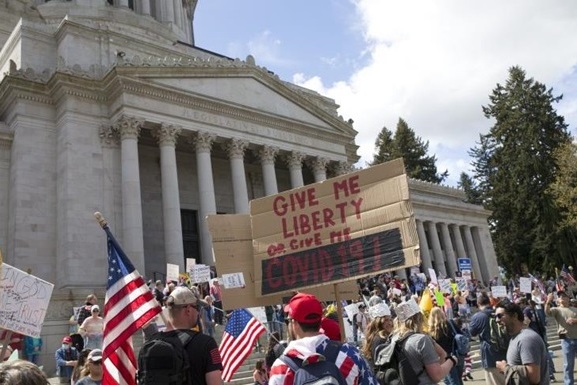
339, 310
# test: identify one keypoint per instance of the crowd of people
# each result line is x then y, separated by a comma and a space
417, 315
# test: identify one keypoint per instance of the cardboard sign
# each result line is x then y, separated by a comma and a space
336, 230
24, 299
525, 285
232, 247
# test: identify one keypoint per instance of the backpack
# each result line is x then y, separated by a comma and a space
324, 371
163, 359
499, 336
461, 343
392, 367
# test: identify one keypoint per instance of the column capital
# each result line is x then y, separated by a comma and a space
235, 147
166, 134
129, 127
319, 164
109, 136
342, 168
294, 160
203, 141
267, 154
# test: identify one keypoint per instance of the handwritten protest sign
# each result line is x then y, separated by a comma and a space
342, 228
233, 281
525, 285
24, 299
172, 271
499, 291
200, 273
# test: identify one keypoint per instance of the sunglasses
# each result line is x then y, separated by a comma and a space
498, 316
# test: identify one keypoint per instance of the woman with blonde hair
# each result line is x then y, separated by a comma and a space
443, 332
428, 360
378, 330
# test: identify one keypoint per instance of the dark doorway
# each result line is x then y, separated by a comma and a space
190, 238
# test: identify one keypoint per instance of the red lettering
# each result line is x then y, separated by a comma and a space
327, 267
357, 204
341, 252
356, 249
328, 217
286, 233
279, 206
304, 224
354, 184
289, 270
376, 253
303, 264
273, 282
347, 186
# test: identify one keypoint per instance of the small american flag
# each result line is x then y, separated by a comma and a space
567, 275
128, 305
241, 331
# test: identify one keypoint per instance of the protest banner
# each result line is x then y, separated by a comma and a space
24, 300
499, 291
525, 285
336, 230
232, 247
200, 273
172, 272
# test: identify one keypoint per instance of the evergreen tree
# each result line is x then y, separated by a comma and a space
407, 145
564, 188
515, 166
467, 184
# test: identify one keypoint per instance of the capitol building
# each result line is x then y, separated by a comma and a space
110, 106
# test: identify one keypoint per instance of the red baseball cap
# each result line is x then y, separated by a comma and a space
331, 329
304, 308
67, 340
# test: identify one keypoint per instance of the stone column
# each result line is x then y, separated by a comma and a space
424, 248
178, 12
449, 251
483, 261
133, 242
343, 168
461, 253
319, 167
203, 142
173, 247
472, 254
123, 3
267, 155
112, 178
145, 7
169, 7
235, 149
439, 258
295, 164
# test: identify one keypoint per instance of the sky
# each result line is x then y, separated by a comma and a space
432, 63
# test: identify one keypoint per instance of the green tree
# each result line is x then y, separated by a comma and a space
564, 187
468, 185
515, 166
407, 145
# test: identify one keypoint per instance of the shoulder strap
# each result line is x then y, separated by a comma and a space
401, 346
185, 337
332, 351
450, 322
291, 362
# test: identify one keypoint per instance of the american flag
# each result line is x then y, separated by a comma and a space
242, 330
128, 305
566, 275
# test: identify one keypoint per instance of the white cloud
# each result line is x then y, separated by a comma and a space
435, 63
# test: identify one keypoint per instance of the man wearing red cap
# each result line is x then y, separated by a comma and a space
307, 343
66, 358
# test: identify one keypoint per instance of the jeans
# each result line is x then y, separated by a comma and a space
455, 376
569, 347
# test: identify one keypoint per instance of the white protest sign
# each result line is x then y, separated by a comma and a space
499, 291
351, 310
258, 313
466, 274
525, 285
233, 281
445, 285
190, 262
172, 272
433, 276
461, 283
415, 270
200, 273
24, 299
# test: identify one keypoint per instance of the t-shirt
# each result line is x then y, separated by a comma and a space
203, 355
420, 351
527, 347
88, 381
561, 314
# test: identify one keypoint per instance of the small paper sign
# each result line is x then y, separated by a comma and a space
172, 272
466, 274
433, 276
525, 285
445, 285
233, 281
190, 262
200, 273
351, 310
461, 283
499, 291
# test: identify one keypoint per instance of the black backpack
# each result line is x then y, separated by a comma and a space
163, 359
392, 367
322, 372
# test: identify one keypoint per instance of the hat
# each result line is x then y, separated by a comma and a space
379, 310
95, 355
362, 305
67, 340
331, 329
304, 308
406, 310
94, 307
181, 296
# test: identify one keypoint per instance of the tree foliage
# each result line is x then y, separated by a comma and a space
407, 145
564, 187
468, 185
515, 166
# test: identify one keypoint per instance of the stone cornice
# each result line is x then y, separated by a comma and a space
436, 189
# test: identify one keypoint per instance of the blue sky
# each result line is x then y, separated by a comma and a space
432, 63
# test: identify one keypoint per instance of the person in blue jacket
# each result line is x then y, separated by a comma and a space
66, 357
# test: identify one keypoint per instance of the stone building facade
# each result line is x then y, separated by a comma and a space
109, 106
